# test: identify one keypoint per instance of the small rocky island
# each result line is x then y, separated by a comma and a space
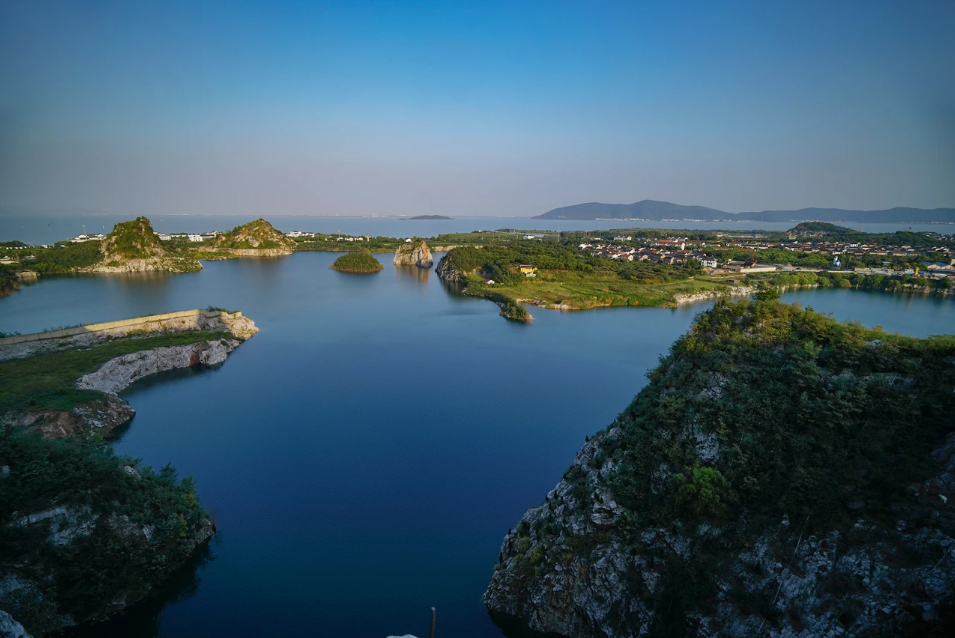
428, 218
782, 474
87, 533
358, 262
415, 253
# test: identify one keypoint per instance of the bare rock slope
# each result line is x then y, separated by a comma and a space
414, 254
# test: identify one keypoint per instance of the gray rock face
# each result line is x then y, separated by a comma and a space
10, 628
118, 374
568, 569
414, 254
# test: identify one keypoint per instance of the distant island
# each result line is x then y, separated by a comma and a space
424, 217
650, 210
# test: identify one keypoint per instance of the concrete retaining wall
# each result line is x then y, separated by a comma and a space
109, 325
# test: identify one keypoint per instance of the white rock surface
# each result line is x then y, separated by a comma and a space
118, 374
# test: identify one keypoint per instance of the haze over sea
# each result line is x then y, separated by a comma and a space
366, 452
47, 228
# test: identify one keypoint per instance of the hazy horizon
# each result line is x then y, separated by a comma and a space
498, 109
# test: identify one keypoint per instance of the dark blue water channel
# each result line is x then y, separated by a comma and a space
366, 452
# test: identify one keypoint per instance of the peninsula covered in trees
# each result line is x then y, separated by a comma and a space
782, 472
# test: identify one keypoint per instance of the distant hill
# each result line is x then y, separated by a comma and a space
430, 217
651, 210
258, 235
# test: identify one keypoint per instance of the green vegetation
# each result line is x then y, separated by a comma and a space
256, 235
12, 244
569, 278
762, 413
809, 413
361, 262
8, 280
47, 381
125, 528
133, 240
861, 281
65, 257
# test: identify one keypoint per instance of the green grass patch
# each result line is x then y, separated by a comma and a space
47, 381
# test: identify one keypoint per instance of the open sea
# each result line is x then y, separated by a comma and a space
366, 452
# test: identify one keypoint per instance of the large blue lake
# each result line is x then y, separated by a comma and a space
366, 452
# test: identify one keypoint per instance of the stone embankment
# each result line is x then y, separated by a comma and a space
85, 336
414, 254
103, 416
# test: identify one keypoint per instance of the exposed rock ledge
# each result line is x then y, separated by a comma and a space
118, 374
704, 295
414, 254
10, 628
104, 416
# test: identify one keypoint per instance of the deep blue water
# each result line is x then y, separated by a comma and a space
47, 229
366, 452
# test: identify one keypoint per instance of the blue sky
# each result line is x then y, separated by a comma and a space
494, 108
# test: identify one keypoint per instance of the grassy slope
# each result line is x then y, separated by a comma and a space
592, 290
46, 381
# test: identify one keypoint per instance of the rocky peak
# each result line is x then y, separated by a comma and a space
414, 254
256, 235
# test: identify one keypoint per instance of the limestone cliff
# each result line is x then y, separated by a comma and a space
134, 247
255, 239
414, 254
781, 475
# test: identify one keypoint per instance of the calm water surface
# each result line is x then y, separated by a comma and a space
366, 452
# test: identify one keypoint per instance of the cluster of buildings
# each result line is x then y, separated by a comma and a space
679, 250
79, 239
193, 237
657, 251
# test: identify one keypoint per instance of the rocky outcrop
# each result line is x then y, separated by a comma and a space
101, 417
625, 544
414, 254
255, 239
10, 628
447, 271
706, 295
133, 247
118, 374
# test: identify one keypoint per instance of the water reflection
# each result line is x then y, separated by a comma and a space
143, 618
420, 275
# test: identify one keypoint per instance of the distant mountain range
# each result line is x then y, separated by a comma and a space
651, 210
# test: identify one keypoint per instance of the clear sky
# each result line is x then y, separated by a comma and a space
474, 108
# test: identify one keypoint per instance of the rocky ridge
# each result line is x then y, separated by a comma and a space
414, 254
255, 239
624, 547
